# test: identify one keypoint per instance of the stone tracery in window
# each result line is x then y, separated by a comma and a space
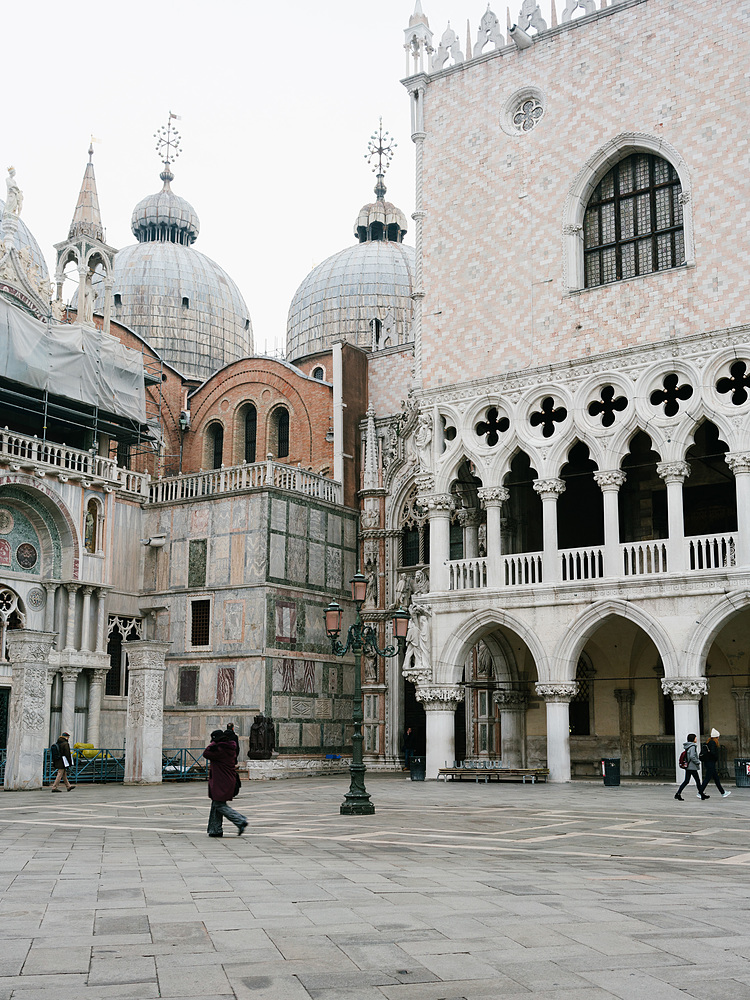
607, 405
671, 395
492, 426
528, 114
737, 383
548, 416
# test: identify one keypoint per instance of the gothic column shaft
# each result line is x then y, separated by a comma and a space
143, 728
49, 607
740, 466
493, 499
440, 714
29, 654
86, 617
625, 698
742, 708
69, 678
96, 690
609, 484
439, 509
512, 707
557, 696
674, 475
70, 624
549, 490
101, 621
686, 694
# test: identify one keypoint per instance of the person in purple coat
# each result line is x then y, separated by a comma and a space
222, 784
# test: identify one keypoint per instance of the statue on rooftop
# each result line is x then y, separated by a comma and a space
14, 195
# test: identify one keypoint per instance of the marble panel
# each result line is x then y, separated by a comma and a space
302, 708
297, 564
315, 627
255, 621
178, 564
234, 621
221, 515
333, 680
239, 514
317, 524
255, 557
350, 567
333, 734
334, 529
278, 515
342, 708
317, 577
237, 560
249, 683
180, 521
277, 557
333, 569
289, 734
280, 706
347, 679
323, 708
311, 734
297, 519
199, 521
350, 533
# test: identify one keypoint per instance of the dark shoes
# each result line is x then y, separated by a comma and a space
705, 796
216, 834
241, 829
71, 788
679, 797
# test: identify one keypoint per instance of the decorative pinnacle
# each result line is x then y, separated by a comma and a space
379, 154
168, 147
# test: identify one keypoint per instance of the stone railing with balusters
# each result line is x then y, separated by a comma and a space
231, 479
35, 456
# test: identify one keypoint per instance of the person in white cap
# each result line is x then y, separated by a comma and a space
710, 758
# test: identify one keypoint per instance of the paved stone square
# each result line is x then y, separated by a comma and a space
573, 892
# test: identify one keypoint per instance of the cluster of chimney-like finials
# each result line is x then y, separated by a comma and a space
423, 57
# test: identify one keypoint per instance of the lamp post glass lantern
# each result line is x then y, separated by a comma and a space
359, 637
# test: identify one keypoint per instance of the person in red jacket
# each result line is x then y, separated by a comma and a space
222, 784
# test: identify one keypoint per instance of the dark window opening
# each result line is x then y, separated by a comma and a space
251, 431
188, 689
200, 623
633, 223
456, 542
185, 302
580, 509
410, 547
216, 442
318, 373
523, 524
709, 495
282, 433
118, 299
642, 498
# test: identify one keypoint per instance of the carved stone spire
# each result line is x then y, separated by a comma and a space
371, 453
87, 220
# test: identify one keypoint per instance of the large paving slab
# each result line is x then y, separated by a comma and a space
449, 892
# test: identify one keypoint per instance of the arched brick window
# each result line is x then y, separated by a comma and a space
282, 432
633, 223
215, 443
251, 431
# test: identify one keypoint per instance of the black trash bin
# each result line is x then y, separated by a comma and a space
611, 770
742, 772
417, 768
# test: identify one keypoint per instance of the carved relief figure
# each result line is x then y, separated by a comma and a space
371, 593
403, 590
371, 666
86, 314
418, 662
423, 440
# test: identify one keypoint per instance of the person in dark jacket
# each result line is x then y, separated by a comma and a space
710, 757
229, 734
222, 784
62, 761
693, 767
408, 747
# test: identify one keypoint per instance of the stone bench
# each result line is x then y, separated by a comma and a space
487, 774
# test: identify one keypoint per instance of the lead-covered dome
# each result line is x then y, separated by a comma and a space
19, 235
362, 294
180, 301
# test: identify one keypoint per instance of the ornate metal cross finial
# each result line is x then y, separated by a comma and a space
380, 150
168, 141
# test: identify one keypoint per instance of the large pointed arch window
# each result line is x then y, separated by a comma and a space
633, 223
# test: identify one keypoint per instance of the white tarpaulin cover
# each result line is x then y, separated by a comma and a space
75, 362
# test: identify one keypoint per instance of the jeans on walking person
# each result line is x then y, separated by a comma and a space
219, 811
710, 757
693, 767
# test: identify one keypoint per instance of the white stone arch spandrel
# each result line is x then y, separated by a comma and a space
566, 655
452, 657
708, 627
589, 176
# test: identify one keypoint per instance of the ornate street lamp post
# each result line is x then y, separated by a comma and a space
357, 799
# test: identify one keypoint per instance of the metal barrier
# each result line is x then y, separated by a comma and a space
108, 765
183, 764
658, 760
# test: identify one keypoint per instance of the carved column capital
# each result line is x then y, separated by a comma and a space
556, 691
72, 587
673, 472
440, 699
98, 676
741, 694
738, 461
70, 673
685, 688
511, 701
437, 504
625, 696
88, 591
611, 479
468, 517
29, 646
549, 489
493, 496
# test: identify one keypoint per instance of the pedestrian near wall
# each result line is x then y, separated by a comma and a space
230, 735
62, 760
693, 767
709, 756
223, 782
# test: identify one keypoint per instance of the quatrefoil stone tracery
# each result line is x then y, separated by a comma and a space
492, 426
671, 394
607, 405
527, 114
737, 383
548, 416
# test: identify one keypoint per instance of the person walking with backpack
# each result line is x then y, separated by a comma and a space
689, 760
709, 756
61, 759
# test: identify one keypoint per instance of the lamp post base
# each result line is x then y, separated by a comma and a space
357, 799
357, 807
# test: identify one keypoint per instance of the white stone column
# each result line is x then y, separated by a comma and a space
29, 656
549, 490
440, 704
686, 693
49, 607
674, 475
610, 483
493, 498
512, 705
70, 625
96, 690
107, 312
468, 518
51, 674
439, 508
69, 678
739, 463
101, 621
143, 728
86, 617
557, 695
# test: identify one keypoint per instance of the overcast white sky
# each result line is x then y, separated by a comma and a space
277, 99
